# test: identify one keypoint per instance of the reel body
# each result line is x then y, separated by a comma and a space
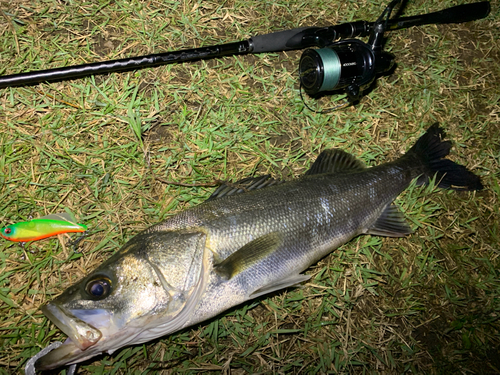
348, 65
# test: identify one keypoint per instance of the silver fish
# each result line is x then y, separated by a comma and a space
248, 239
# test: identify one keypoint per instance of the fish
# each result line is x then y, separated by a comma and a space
247, 240
43, 227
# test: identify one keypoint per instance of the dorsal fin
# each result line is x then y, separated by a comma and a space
61, 216
242, 186
334, 161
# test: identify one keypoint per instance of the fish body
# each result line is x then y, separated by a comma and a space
239, 245
37, 229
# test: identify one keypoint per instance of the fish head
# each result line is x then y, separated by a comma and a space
145, 290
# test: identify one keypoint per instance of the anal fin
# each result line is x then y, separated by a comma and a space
391, 223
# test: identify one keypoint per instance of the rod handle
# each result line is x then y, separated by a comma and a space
282, 40
459, 13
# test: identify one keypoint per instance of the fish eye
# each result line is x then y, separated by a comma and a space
7, 231
99, 287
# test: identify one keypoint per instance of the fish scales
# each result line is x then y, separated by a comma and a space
315, 214
239, 245
328, 206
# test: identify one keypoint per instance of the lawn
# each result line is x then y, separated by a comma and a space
126, 150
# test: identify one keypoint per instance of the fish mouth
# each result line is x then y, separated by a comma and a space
82, 334
81, 337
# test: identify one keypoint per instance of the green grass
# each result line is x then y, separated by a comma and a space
103, 146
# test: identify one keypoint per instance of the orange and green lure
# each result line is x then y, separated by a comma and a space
46, 226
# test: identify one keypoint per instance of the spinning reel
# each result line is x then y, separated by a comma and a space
348, 65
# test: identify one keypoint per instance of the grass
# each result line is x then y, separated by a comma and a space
101, 146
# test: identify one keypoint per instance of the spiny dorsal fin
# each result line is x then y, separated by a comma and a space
334, 161
391, 223
249, 255
242, 186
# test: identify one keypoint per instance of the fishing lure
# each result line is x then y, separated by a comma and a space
46, 226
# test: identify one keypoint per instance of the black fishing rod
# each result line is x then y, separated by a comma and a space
358, 53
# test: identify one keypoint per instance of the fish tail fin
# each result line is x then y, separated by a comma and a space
431, 151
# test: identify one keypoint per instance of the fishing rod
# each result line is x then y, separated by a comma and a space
341, 64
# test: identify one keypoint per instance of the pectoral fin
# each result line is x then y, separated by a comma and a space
249, 255
391, 223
